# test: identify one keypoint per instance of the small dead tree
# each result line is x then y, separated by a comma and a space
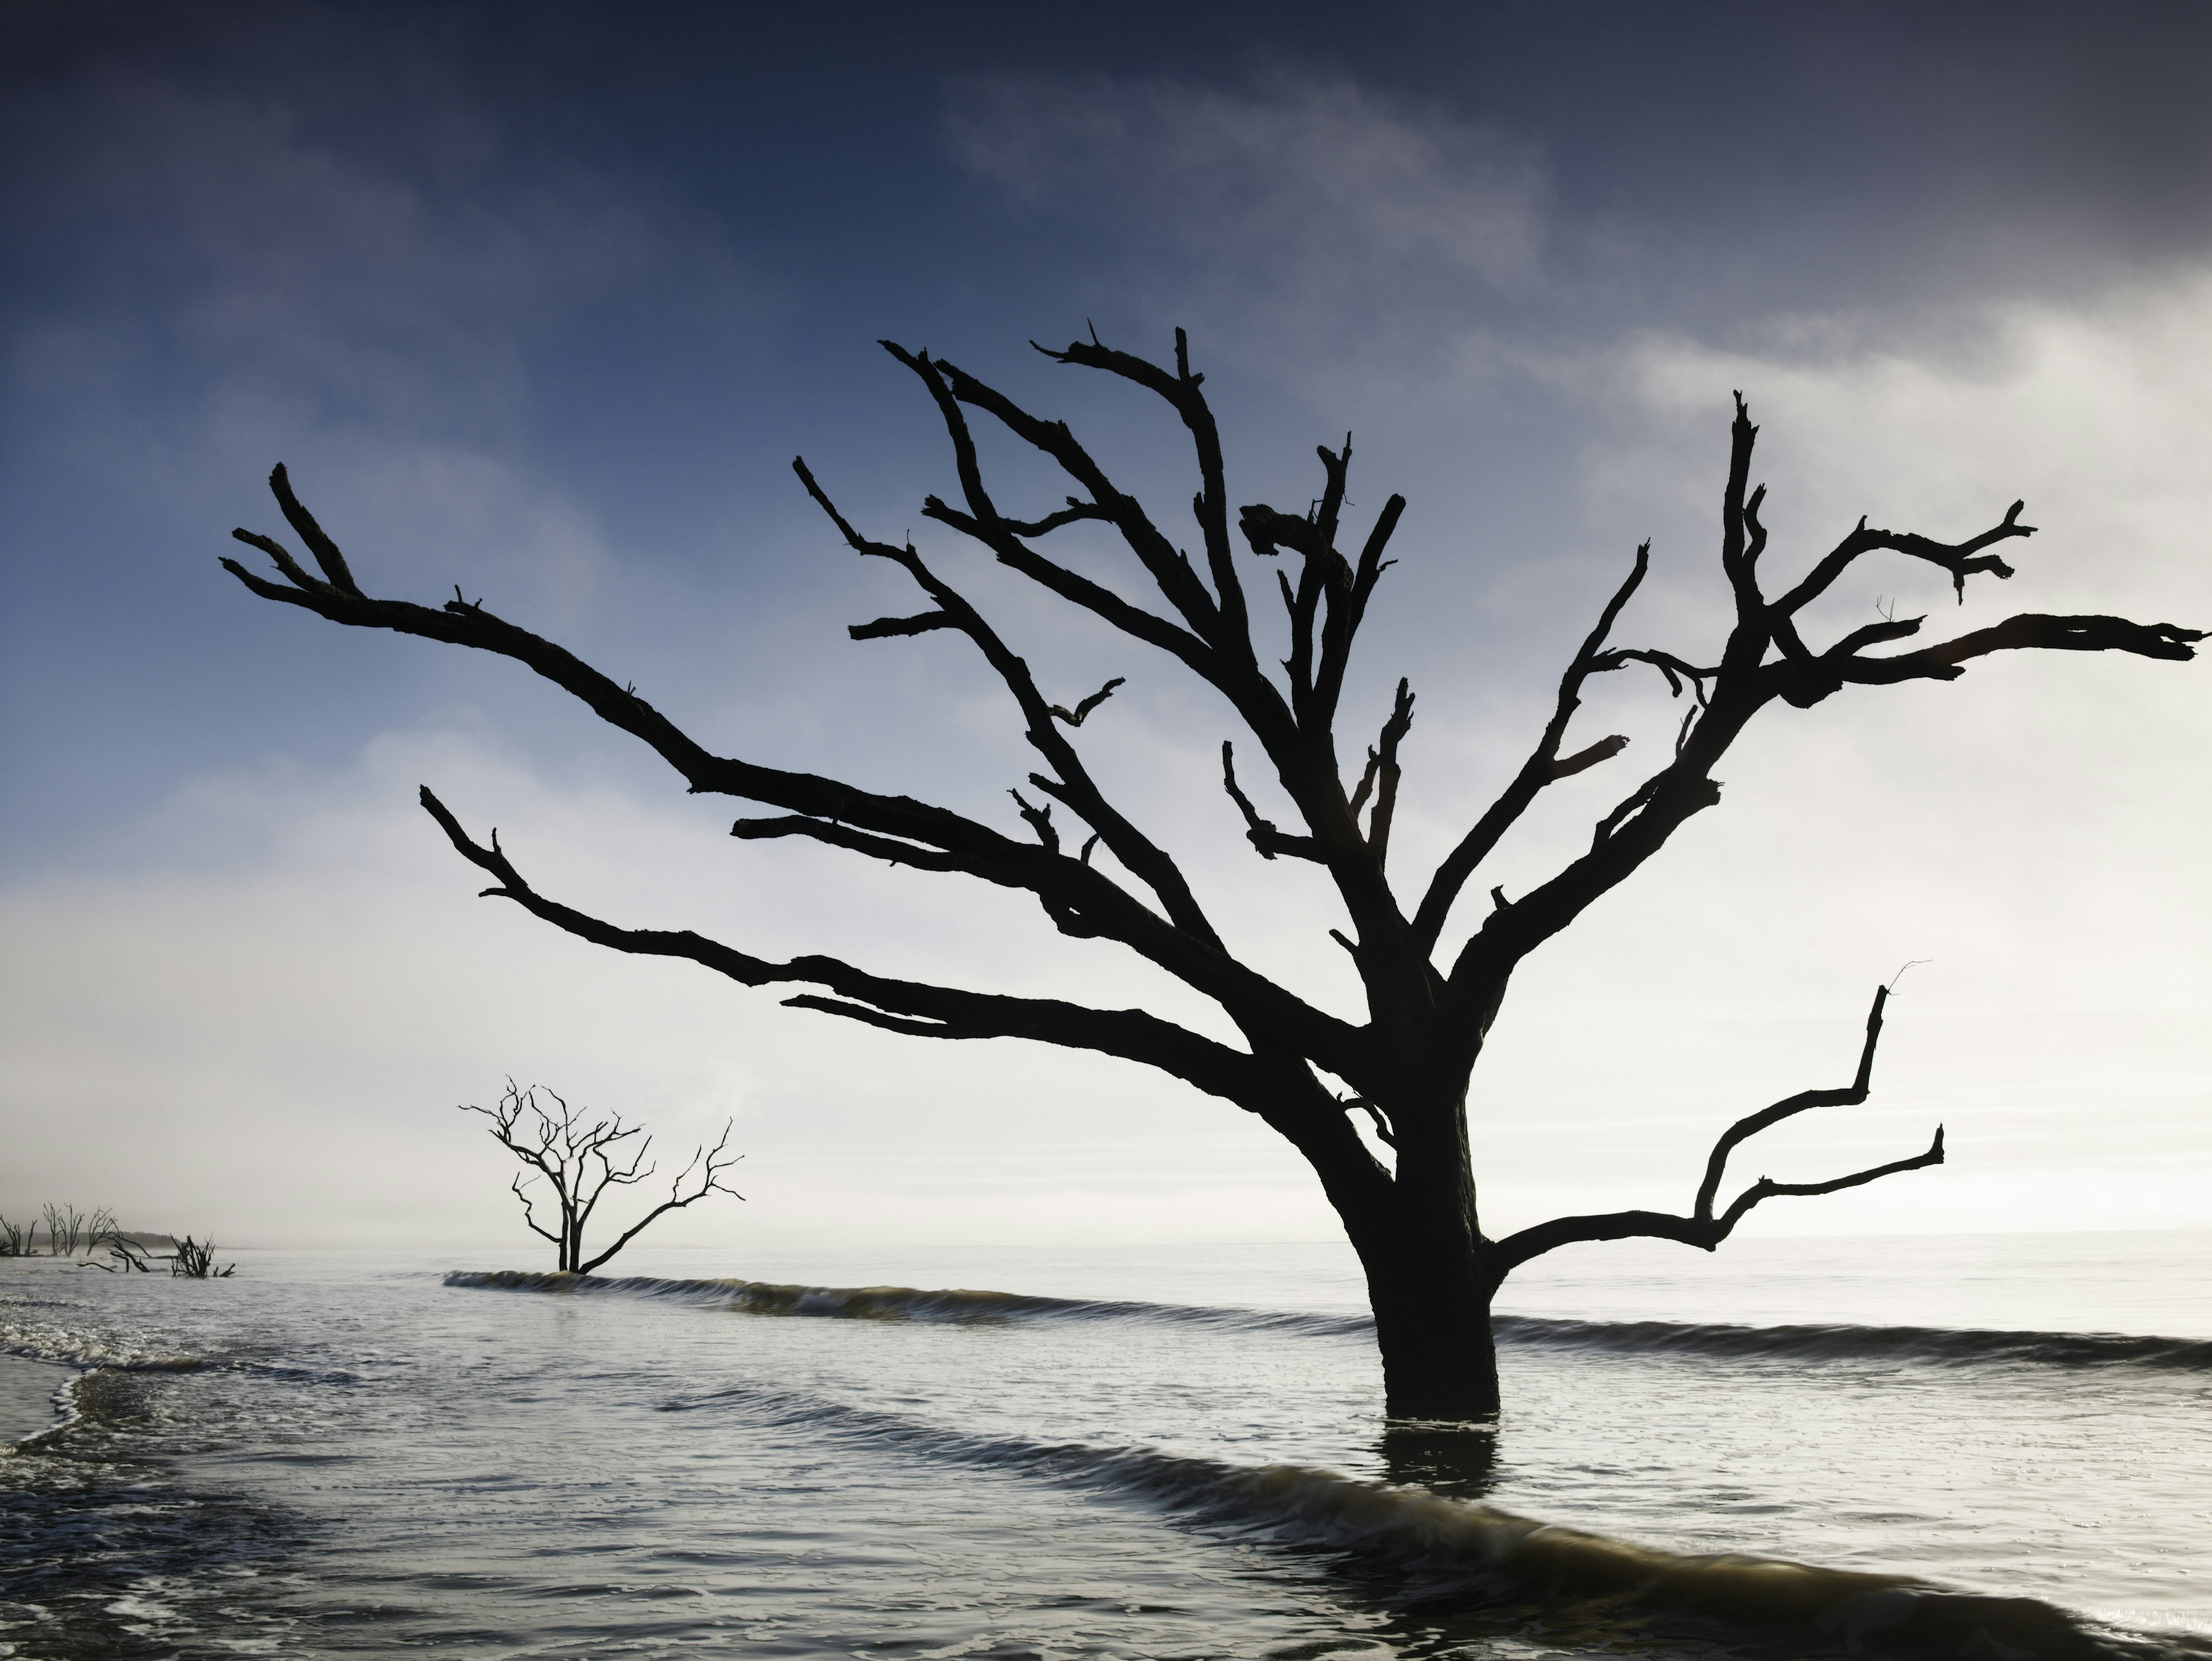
581, 1161
1430, 992
194, 1262
12, 1242
65, 1227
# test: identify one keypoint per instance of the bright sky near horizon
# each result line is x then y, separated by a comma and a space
541, 300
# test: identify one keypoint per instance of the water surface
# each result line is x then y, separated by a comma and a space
1164, 1451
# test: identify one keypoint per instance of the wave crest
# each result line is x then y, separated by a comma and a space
900, 1303
1943, 1346
1443, 1546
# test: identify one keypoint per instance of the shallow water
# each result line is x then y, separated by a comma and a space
1153, 1452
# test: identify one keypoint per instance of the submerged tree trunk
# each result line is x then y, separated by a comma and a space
1430, 1273
1433, 1326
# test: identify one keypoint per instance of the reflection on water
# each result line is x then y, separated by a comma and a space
1455, 1461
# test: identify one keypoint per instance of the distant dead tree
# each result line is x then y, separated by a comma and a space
130, 1255
187, 1259
1409, 1202
193, 1262
12, 1242
581, 1161
65, 1227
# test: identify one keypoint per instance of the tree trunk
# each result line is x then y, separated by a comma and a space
1429, 1272
1434, 1332
1431, 1303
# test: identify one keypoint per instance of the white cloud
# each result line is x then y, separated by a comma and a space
257, 1009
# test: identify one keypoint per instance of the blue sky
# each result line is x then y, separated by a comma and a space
542, 300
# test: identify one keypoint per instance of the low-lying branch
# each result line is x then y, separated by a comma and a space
1701, 1227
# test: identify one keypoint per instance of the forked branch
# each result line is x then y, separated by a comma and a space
1263, 834
1543, 767
1702, 1228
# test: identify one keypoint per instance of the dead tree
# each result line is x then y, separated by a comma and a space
1431, 1270
65, 1228
192, 1261
581, 1162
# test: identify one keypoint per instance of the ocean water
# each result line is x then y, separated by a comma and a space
1996, 1447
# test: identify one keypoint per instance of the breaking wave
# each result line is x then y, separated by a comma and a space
1442, 1547
905, 1303
1945, 1346
1942, 1346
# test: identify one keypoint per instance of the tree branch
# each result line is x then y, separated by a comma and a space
1210, 506
1805, 682
1263, 833
1075, 717
1743, 683
1386, 762
1960, 559
1142, 857
718, 1159
1538, 770
935, 1011
884, 627
1183, 944
1702, 1228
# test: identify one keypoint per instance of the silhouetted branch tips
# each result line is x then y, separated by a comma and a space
1040, 820
491, 859
853, 539
326, 551
1074, 717
886, 628
1387, 770
1604, 749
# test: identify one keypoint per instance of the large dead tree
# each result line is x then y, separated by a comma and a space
1432, 1271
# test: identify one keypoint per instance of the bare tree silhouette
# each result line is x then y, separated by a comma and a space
581, 1161
1432, 1272
65, 1229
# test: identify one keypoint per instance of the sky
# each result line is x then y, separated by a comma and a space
541, 300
